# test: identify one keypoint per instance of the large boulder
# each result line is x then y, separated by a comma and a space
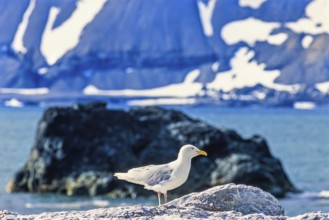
78, 148
221, 202
231, 197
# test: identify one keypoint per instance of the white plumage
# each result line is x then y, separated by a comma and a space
164, 177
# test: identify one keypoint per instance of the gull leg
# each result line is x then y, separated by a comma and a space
159, 198
166, 197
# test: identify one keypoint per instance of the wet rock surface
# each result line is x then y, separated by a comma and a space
78, 148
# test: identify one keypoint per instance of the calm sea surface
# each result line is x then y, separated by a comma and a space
299, 138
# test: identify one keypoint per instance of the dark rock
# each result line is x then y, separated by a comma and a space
77, 150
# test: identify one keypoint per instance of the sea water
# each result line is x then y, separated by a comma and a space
299, 138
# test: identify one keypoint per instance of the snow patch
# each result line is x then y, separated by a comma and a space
163, 101
324, 194
37, 91
14, 103
316, 19
323, 87
42, 70
307, 40
249, 30
188, 88
251, 3
206, 12
18, 42
246, 73
215, 66
191, 76
304, 105
259, 95
56, 42
277, 39
91, 90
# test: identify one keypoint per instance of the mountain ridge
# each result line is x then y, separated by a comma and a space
109, 49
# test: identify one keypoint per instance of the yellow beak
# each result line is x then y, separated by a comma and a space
201, 152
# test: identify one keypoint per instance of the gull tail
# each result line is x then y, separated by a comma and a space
121, 176
127, 177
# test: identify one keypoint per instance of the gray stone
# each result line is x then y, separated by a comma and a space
227, 202
162, 213
311, 216
231, 197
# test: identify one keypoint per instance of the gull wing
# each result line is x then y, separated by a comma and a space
152, 174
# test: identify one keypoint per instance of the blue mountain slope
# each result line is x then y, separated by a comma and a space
235, 52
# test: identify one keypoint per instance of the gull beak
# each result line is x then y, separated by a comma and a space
201, 152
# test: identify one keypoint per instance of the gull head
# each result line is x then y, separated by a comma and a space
190, 151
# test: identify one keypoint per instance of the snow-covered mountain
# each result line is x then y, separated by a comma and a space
228, 52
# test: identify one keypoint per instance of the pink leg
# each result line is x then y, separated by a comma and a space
166, 197
159, 198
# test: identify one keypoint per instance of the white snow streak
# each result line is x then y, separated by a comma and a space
316, 19
56, 42
14, 103
277, 39
206, 12
251, 3
18, 42
307, 41
304, 105
188, 88
249, 30
323, 87
246, 73
215, 66
163, 101
37, 91
43, 70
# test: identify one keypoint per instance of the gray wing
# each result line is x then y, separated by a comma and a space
153, 174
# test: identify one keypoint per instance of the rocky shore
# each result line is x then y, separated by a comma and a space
78, 148
227, 202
